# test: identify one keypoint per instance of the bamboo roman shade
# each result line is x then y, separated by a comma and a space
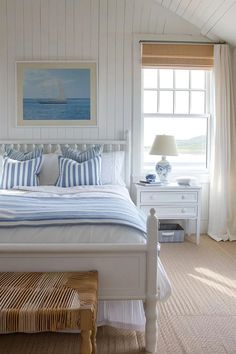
195, 56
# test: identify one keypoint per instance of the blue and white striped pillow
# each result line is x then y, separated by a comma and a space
23, 156
20, 173
81, 156
73, 173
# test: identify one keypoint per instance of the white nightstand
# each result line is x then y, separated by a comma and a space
172, 201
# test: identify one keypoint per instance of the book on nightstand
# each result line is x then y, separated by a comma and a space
145, 183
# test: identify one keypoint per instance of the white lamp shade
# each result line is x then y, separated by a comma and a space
164, 145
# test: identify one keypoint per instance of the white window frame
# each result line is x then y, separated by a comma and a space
181, 167
137, 122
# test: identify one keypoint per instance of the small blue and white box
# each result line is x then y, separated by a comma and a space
151, 178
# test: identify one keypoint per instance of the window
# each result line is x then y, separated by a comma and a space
177, 102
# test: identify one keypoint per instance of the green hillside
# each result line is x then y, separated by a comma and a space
195, 145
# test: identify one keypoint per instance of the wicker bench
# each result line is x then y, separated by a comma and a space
49, 302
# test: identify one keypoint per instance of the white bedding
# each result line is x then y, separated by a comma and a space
49, 191
124, 313
71, 233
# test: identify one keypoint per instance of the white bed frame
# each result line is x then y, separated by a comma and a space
125, 271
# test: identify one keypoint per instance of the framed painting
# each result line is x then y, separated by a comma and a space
56, 93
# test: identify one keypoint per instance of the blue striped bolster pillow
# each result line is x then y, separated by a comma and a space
20, 173
72, 173
81, 156
23, 156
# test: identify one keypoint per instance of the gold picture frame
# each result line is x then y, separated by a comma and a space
56, 94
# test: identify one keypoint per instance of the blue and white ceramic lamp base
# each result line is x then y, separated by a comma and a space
163, 168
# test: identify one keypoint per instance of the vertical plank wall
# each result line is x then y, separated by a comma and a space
99, 30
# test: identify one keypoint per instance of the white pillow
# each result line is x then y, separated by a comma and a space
112, 171
112, 168
50, 170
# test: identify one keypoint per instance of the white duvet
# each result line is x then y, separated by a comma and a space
128, 314
71, 233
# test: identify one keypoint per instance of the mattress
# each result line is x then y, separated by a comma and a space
71, 234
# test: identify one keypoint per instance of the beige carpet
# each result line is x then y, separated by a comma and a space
199, 318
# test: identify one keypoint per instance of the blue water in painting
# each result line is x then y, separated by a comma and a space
72, 108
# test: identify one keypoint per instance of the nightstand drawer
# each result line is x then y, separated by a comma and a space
168, 197
171, 211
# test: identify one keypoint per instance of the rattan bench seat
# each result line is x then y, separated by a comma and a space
49, 302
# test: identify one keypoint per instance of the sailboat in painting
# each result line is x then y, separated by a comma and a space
60, 99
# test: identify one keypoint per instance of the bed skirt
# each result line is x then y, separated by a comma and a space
122, 314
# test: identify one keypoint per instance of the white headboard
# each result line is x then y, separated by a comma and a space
54, 145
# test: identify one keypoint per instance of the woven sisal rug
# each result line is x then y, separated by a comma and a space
199, 318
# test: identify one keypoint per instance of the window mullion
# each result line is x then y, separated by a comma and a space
177, 115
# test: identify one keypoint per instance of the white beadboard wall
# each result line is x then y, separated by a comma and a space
98, 30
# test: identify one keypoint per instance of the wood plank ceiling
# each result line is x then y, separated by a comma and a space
215, 18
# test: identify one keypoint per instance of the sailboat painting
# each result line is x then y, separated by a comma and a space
51, 94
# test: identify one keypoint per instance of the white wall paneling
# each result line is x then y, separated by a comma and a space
99, 30
3, 71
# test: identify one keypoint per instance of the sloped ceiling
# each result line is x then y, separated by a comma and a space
215, 18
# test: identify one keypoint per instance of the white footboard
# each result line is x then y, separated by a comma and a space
122, 268
125, 271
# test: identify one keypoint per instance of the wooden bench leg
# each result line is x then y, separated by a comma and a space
86, 344
94, 343
88, 331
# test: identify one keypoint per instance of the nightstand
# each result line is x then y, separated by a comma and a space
172, 201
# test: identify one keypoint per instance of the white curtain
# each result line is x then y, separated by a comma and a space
222, 223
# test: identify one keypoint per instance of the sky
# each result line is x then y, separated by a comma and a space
181, 128
46, 83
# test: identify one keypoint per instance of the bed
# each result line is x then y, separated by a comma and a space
125, 255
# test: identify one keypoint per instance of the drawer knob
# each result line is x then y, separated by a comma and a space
182, 197
183, 210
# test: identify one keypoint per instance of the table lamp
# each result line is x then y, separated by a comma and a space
163, 145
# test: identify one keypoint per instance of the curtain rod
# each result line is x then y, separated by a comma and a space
181, 42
